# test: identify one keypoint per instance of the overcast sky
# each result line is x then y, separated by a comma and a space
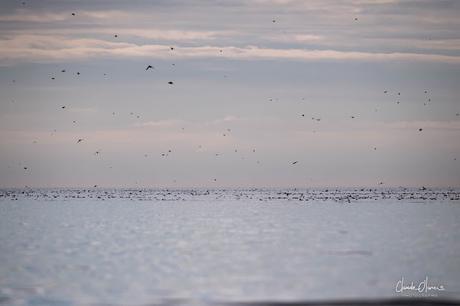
340, 87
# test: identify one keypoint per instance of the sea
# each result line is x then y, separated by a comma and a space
99, 246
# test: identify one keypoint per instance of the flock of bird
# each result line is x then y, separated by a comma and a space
258, 194
150, 67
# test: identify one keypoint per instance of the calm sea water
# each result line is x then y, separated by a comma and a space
134, 247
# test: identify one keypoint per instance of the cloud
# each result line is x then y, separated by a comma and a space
161, 123
123, 33
425, 125
178, 123
44, 17
43, 48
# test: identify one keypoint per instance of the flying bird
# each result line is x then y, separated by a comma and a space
420, 130
73, 14
149, 67
79, 140
295, 162
63, 107
170, 83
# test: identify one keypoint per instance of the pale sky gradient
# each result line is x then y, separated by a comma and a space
235, 73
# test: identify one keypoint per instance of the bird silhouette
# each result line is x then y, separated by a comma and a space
295, 162
171, 83
149, 67
79, 140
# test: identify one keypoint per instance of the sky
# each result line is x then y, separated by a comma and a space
264, 93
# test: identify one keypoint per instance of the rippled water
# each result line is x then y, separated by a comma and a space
133, 247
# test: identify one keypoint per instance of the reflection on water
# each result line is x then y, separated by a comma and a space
67, 247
